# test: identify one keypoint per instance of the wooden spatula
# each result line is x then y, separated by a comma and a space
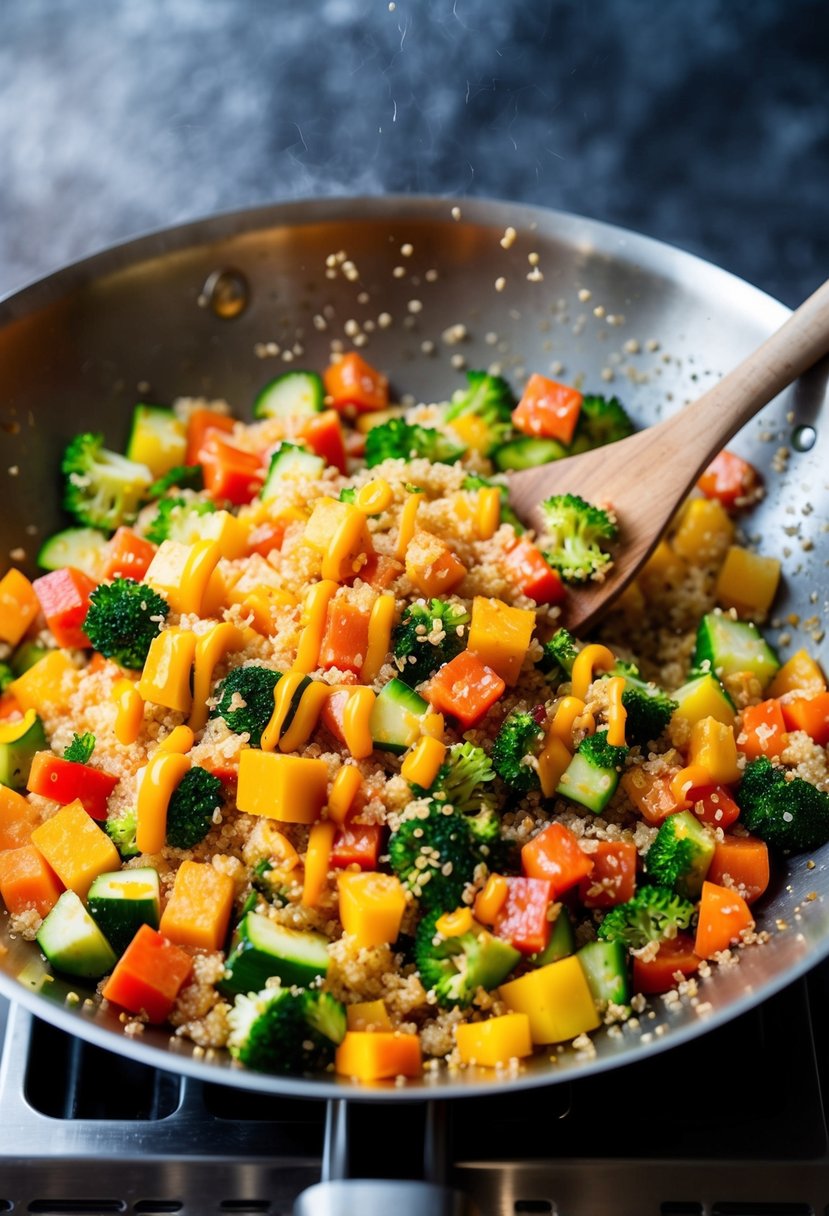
645, 477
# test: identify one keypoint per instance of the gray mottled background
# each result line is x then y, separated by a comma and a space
706, 124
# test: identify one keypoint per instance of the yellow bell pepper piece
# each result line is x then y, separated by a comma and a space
706, 701
488, 512
556, 999
314, 615
422, 764
496, 1041
704, 532
184, 575
472, 431
616, 712
490, 901
165, 679
406, 528
19, 606
357, 722
160, 448
714, 748
129, 714
48, 683
198, 911
433, 726
800, 674
380, 624
289, 788
161, 777
588, 661
371, 907
75, 847
317, 860
212, 646
500, 636
747, 582
18, 728
374, 497
258, 576
664, 568
455, 924
367, 1016
377, 1055
553, 761
367, 422
343, 792
431, 565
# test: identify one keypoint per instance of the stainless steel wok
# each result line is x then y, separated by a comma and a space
190, 312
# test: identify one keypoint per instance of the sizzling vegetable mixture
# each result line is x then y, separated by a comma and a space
296, 758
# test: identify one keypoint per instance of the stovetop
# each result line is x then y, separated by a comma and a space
731, 1124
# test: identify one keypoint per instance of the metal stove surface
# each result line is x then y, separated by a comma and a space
733, 1124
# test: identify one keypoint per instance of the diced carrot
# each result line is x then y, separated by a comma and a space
612, 880
65, 780
431, 565
64, 600
332, 713
675, 957
723, 917
353, 382
763, 731
199, 425
522, 920
345, 641
730, 479
809, 714
713, 804
230, 473
533, 575
128, 555
381, 571
651, 794
324, 435
548, 408
17, 819
198, 911
18, 606
465, 688
28, 881
554, 853
357, 844
376, 1055
744, 860
149, 975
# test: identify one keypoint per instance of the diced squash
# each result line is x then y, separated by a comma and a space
431, 564
368, 1015
76, 848
747, 582
165, 679
809, 714
556, 999
422, 764
378, 1055
338, 531
187, 577
149, 975
495, 1042
47, 685
741, 863
371, 907
27, 881
704, 698
664, 568
18, 606
704, 532
198, 911
800, 674
17, 819
500, 636
292, 789
714, 748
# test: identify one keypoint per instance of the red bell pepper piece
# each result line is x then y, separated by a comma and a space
353, 382
612, 880
548, 408
64, 599
809, 714
199, 424
324, 435
713, 804
730, 479
230, 473
764, 730
555, 854
149, 975
533, 575
128, 555
357, 844
266, 537
465, 688
676, 955
522, 920
65, 780
345, 640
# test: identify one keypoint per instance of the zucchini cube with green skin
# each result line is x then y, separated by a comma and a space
562, 941
527, 452
681, 854
124, 900
263, 949
605, 967
590, 784
79, 547
18, 743
290, 462
725, 646
72, 942
397, 717
290, 395
26, 656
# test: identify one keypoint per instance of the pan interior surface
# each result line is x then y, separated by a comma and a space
217, 308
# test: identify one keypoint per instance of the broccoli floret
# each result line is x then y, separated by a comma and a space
123, 618
81, 748
474, 481
649, 710
654, 913
272, 1031
597, 751
680, 855
435, 854
348, 494
601, 420
515, 744
560, 653
102, 489
244, 699
325, 1014
182, 477
121, 832
399, 440
787, 813
461, 776
6, 676
573, 532
489, 399
192, 805
176, 519
455, 967
428, 635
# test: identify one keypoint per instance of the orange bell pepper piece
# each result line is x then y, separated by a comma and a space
324, 436
555, 854
345, 641
612, 880
548, 408
230, 473
199, 425
764, 730
675, 957
533, 575
353, 382
465, 688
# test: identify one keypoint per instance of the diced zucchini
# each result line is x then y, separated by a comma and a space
290, 462
122, 901
606, 971
397, 717
263, 949
725, 646
72, 942
26, 656
586, 783
79, 547
289, 395
562, 941
18, 743
683, 847
526, 452
158, 439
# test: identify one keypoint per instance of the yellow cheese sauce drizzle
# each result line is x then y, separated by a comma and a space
343, 792
407, 525
129, 715
616, 712
314, 612
356, 723
592, 658
306, 717
161, 777
210, 648
380, 625
283, 694
693, 776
